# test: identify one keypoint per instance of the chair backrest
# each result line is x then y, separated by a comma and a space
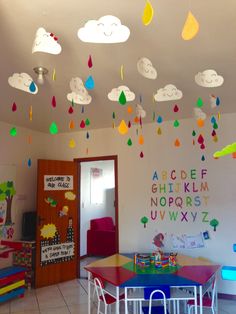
99, 289
152, 297
104, 223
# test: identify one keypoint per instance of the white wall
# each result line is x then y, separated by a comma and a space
135, 180
89, 210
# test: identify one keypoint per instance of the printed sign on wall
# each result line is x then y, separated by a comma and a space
58, 182
54, 252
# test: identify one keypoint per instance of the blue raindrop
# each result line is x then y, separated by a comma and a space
29, 162
32, 87
217, 101
89, 84
213, 120
159, 119
82, 109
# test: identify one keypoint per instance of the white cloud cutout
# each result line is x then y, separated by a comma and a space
23, 81
79, 93
140, 112
199, 114
115, 93
209, 78
146, 68
108, 29
46, 42
169, 92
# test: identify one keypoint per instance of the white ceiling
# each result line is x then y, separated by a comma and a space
177, 61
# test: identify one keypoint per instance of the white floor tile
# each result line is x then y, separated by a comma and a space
5, 308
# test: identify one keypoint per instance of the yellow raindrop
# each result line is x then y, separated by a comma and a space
147, 13
141, 140
191, 27
54, 75
31, 113
72, 143
122, 128
159, 132
122, 72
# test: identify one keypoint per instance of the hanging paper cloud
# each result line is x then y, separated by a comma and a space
24, 82
46, 42
140, 112
229, 149
191, 27
108, 29
115, 93
199, 114
79, 94
147, 13
209, 78
146, 69
169, 92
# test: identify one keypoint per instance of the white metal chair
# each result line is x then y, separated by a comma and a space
156, 295
209, 299
104, 296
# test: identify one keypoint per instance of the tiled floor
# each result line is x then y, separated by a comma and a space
70, 297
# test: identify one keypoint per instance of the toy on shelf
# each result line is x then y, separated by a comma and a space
173, 259
157, 259
142, 260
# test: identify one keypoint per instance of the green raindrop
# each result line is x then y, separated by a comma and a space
87, 122
176, 123
113, 115
122, 98
203, 158
129, 142
13, 132
193, 133
215, 126
53, 128
199, 102
153, 116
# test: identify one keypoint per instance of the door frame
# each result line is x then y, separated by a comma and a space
99, 158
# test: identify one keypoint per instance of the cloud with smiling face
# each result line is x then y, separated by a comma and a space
23, 82
140, 112
146, 69
199, 114
115, 93
107, 30
46, 42
209, 78
169, 92
79, 95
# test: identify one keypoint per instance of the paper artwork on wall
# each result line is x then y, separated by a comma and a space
70, 196
79, 94
206, 235
107, 29
24, 82
64, 211
229, 149
46, 42
146, 69
214, 223
115, 93
167, 93
147, 13
209, 78
51, 201
191, 27
187, 241
54, 251
7, 192
140, 112
158, 240
144, 221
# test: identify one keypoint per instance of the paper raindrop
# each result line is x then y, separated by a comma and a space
199, 103
122, 98
141, 155
191, 27
70, 110
54, 103
32, 87
203, 158
31, 113
82, 124
72, 143
53, 128
200, 139
122, 128
129, 109
141, 139
176, 108
129, 142
159, 119
87, 135
13, 132
193, 133
159, 132
215, 126
200, 123
176, 123
14, 107
29, 163
122, 72
71, 125
177, 143
87, 122
89, 84
90, 62
147, 13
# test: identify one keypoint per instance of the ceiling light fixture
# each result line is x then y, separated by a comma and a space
41, 71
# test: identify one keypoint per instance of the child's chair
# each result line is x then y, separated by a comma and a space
104, 296
156, 295
209, 300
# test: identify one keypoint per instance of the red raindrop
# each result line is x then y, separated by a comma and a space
54, 103
71, 110
176, 108
90, 62
200, 139
14, 107
82, 124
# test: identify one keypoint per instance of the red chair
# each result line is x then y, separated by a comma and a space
101, 237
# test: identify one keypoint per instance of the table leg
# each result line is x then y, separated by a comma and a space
126, 302
89, 293
200, 299
117, 300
